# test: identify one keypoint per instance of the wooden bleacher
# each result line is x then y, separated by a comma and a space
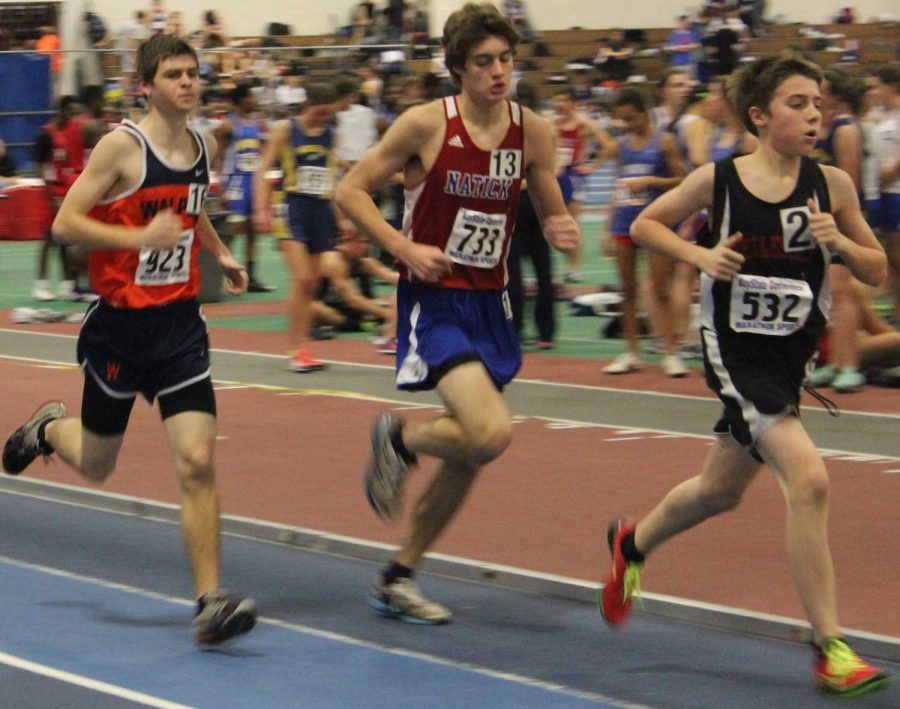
322, 57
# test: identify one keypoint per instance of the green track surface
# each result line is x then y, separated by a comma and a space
576, 336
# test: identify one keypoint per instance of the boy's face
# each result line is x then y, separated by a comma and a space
487, 73
794, 115
176, 84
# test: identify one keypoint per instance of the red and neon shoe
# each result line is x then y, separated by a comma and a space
839, 670
303, 361
624, 580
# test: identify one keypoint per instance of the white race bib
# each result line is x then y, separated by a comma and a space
316, 181
162, 267
624, 197
768, 305
247, 162
234, 194
477, 238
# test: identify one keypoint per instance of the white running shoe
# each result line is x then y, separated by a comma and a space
672, 366
624, 363
41, 291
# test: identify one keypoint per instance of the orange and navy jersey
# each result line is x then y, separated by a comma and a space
468, 202
132, 278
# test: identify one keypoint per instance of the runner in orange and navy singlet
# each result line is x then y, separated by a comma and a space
146, 335
145, 278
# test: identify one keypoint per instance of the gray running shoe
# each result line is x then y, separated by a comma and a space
387, 470
403, 600
23, 446
222, 617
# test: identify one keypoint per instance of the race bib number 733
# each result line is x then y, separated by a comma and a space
477, 238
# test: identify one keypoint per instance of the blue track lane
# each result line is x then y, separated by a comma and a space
105, 596
139, 642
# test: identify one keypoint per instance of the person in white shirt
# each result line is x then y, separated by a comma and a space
358, 127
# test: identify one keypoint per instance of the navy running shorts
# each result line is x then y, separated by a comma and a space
311, 221
146, 351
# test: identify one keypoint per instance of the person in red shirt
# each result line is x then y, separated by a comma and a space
139, 206
59, 149
463, 160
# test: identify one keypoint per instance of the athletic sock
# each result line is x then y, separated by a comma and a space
44, 447
395, 571
629, 550
400, 446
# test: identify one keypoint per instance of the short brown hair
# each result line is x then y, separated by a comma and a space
319, 93
471, 25
159, 47
756, 83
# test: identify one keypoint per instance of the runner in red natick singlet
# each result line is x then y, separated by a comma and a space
463, 159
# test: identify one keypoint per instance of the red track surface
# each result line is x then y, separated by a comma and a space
296, 459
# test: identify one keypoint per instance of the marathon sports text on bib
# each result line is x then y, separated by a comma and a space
247, 162
765, 305
162, 267
477, 238
625, 197
314, 180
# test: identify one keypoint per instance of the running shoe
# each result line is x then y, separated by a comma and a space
403, 600
823, 376
221, 617
255, 286
41, 291
672, 366
389, 347
624, 363
386, 472
839, 670
303, 361
23, 446
624, 580
848, 380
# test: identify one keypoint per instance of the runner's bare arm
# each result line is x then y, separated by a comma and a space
560, 229
103, 173
404, 141
652, 228
275, 142
846, 232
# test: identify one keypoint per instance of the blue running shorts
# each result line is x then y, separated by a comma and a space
441, 328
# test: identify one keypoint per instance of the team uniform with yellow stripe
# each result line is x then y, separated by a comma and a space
308, 175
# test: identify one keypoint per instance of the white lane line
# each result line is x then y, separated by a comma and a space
88, 683
544, 382
303, 630
551, 422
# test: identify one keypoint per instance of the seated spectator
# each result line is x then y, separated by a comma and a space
175, 24
683, 46
614, 58
515, 12
213, 30
346, 297
158, 17
8, 166
878, 347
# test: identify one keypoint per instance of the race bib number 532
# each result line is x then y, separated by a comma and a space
768, 305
